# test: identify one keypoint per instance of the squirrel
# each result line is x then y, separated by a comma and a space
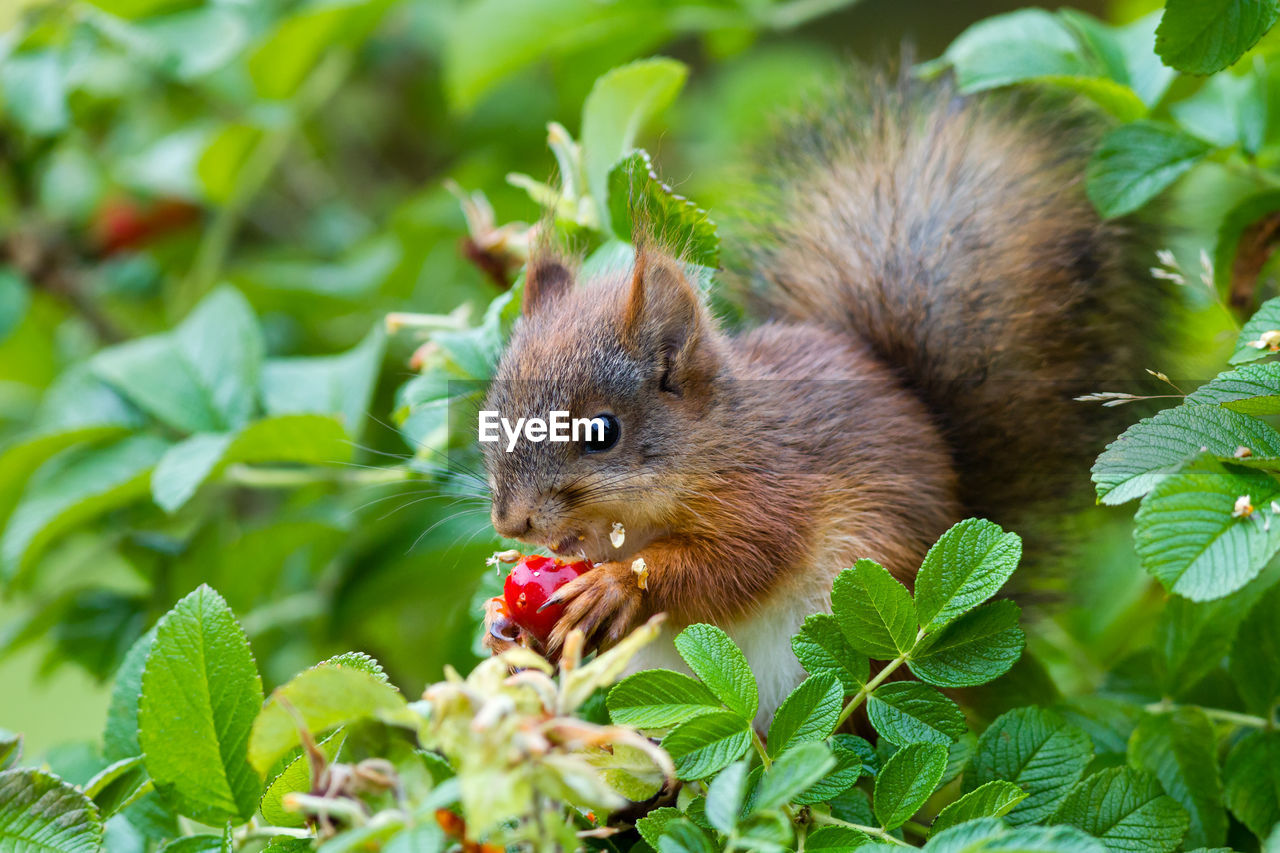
935, 288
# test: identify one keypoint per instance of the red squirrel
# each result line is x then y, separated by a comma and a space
934, 288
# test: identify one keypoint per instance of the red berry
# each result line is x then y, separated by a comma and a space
533, 580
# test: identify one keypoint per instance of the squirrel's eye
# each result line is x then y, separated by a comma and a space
603, 434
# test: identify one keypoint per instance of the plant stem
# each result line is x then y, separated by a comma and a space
760, 750
1247, 720
873, 831
872, 684
256, 477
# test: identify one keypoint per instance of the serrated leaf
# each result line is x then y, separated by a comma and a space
906, 781
1013, 47
808, 713
118, 785
10, 749
120, 736
965, 567
725, 797
1035, 749
1205, 36
1189, 537
200, 695
1136, 162
200, 377
652, 825
821, 648
907, 712
989, 834
1193, 637
40, 812
658, 699
1255, 656
620, 103
792, 773
707, 744
1265, 319
994, 799
1251, 781
721, 665
321, 698
72, 489
1253, 389
638, 195
1180, 750
980, 646
1126, 810
836, 839
847, 769
1155, 447
296, 776
874, 611
684, 836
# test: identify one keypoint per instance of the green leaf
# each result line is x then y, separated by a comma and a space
296, 776
1251, 343
849, 766
118, 785
822, 649
989, 834
1035, 749
200, 377
39, 812
322, 698
1180, 749
658, 699
965, 567
684, 836
1017, 46
621, 102
339, 385
1126, 810
793, 772
72, 489
192, 43
652, 825
1192, 638
707, 744
1188, 537
286, 57
1255, 657
120, 736
674, 222
1136, 162
34, 85
1205, 36
721, 665
809, 713
1228, 110
725, 796
979, 647
1251, 781
203, 843
906, 781
994, 799
836, 839
874, 611
200, 695
304, 439
906, 712
1253, 389
1155, 447
10, 749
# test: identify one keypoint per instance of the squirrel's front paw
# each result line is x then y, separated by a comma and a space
605, 604
500, 633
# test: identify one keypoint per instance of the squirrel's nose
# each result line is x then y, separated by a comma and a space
511, 526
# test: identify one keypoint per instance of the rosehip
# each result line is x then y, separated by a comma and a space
533, 580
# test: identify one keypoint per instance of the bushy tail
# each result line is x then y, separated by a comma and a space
953, 235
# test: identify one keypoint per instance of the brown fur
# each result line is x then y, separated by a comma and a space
940, 286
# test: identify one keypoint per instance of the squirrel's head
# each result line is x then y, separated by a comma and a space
636, 349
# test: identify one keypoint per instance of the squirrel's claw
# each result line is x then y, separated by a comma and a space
500, 633
605, 604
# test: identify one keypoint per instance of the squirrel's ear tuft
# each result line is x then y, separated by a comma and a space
546, 279
664, 319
